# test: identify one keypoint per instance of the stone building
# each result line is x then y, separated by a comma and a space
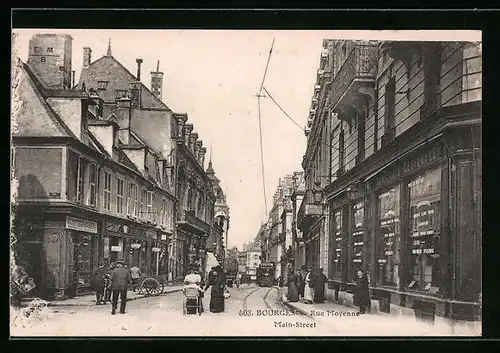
217, 243
171, 137
394, 156
89, 189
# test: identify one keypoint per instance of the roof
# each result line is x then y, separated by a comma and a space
47, 122
118, 77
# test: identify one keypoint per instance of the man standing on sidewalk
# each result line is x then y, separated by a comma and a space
120, 279
135, 272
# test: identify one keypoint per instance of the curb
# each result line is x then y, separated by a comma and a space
62, 304
294, 308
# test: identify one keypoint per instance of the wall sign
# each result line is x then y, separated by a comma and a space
116, 248
82, 225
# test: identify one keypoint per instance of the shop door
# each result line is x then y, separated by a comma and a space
82, 266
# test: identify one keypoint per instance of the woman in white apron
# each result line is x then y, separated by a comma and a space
308, 289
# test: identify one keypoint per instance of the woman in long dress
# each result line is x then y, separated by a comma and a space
217, 282
308, 288
293, 292
319, 287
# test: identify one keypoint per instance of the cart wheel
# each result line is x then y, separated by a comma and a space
151, 286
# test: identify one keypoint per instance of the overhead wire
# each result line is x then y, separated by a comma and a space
260, 128
294, 121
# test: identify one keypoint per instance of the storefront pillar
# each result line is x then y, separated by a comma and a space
404, 256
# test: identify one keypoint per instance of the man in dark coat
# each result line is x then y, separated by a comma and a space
97, 283
120, 279
319, 286
362, 292
302, 281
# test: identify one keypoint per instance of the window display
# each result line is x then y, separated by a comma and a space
357, 238
338, 244
425, 200
389, 237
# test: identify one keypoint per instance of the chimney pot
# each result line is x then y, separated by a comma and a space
139, 62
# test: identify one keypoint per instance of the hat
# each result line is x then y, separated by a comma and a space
120, 262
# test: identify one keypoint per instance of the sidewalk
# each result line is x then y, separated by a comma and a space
90, 299
345, 321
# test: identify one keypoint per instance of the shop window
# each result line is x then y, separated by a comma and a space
92, 184
107, 191
389, 237
357, 238
119, 195
425, 223
338, 258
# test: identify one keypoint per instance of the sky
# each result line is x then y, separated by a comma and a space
213, 76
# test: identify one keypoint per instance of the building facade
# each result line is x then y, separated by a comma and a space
298, 244
171, 137
84, 196
220, 229
398, 164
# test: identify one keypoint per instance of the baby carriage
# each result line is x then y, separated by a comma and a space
192, 300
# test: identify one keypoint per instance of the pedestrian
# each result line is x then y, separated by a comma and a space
97, 283
293, 292
217, 282
120, 279
135, 273
300, 282
309, 287
362, 292
193, 279
320, 282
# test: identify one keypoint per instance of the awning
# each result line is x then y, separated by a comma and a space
211, 262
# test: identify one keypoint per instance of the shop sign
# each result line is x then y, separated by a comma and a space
156, 249
116, 248
163, 236
106, 247
81, 225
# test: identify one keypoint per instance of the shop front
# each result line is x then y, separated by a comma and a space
58, 251
404, 225
135, 244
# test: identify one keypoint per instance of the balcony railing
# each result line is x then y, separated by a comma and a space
308, 211
360, 65
188, 220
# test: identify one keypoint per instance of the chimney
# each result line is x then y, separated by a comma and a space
181, 120
192, 142
87, 56
187, 133
135, 94
157, 81
123, 119
203, 151
49, 58
197, 151
139, 62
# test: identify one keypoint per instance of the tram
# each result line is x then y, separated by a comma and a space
265, 275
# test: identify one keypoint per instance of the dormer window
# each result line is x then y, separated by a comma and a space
102, 85
121, 93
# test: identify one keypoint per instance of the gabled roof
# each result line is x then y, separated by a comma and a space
39, 119
107, 68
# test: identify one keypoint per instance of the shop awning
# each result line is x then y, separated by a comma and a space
211, 262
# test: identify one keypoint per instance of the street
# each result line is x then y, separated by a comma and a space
250, 311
